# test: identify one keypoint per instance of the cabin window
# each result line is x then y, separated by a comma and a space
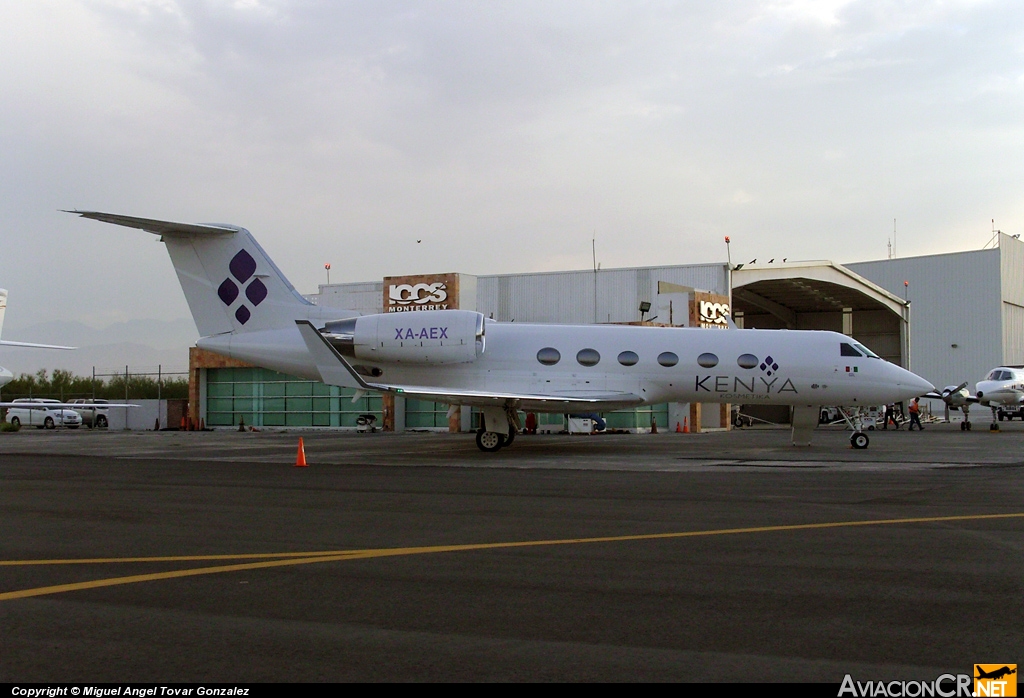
588, 357
628, 358
707, 360
747, 361
848, 350
548, 356
667, 358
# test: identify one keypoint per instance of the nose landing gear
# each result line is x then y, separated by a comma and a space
858, 439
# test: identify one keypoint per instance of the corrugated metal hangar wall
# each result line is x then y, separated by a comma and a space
966, 309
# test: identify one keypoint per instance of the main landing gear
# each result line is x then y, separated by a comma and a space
966, 424
492, 441
504, 416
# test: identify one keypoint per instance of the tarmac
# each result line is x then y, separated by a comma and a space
723, 556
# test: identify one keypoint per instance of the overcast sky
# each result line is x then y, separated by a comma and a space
504, 135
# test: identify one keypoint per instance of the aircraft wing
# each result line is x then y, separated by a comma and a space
30, 345
336, 370
157, 227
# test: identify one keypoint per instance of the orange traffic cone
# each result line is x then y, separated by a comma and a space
300, 460
679, 428
686, 426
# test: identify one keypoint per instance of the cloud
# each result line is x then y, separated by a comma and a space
512, 132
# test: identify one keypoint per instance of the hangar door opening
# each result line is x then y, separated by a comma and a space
819, 296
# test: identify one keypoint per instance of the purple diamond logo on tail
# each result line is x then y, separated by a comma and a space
256, 292
242, 314
242, 266
228, 292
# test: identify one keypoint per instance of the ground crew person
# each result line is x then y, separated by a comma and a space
915, 415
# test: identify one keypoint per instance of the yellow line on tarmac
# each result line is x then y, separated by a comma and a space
170, 558
338, 555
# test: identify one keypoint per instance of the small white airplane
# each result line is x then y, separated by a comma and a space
245, 308
5, 375
1003, 387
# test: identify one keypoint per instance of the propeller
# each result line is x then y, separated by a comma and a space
947, 392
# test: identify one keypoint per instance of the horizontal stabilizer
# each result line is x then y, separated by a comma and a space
158, 227
336, 370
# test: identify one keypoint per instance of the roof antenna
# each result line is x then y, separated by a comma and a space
593, 250
995, 237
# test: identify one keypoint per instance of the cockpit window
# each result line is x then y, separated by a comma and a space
867, 352
998, 375
848, 350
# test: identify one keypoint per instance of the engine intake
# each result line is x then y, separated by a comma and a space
424, 337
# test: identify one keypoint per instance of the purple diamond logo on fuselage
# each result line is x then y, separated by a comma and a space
242, 314
242, 266
769, 366
228, 291
256, 292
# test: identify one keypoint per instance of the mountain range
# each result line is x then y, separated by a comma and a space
142, 345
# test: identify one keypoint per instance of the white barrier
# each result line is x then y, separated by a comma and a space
141, 418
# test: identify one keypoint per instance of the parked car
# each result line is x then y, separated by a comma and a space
1010, 411
41, 415
829, 415
93, 412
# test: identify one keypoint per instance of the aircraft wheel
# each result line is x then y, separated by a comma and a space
968, 426
16, 422
993, 427
49, 423
859, 440
963, 426
507, 441
101, 422
489, 441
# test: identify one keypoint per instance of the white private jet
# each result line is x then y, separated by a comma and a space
245, 308
1003, 387
5, 375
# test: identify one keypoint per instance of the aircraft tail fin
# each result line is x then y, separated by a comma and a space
230, 283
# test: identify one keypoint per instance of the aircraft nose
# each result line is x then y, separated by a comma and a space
914, 381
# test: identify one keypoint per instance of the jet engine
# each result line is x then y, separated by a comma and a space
422, 337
